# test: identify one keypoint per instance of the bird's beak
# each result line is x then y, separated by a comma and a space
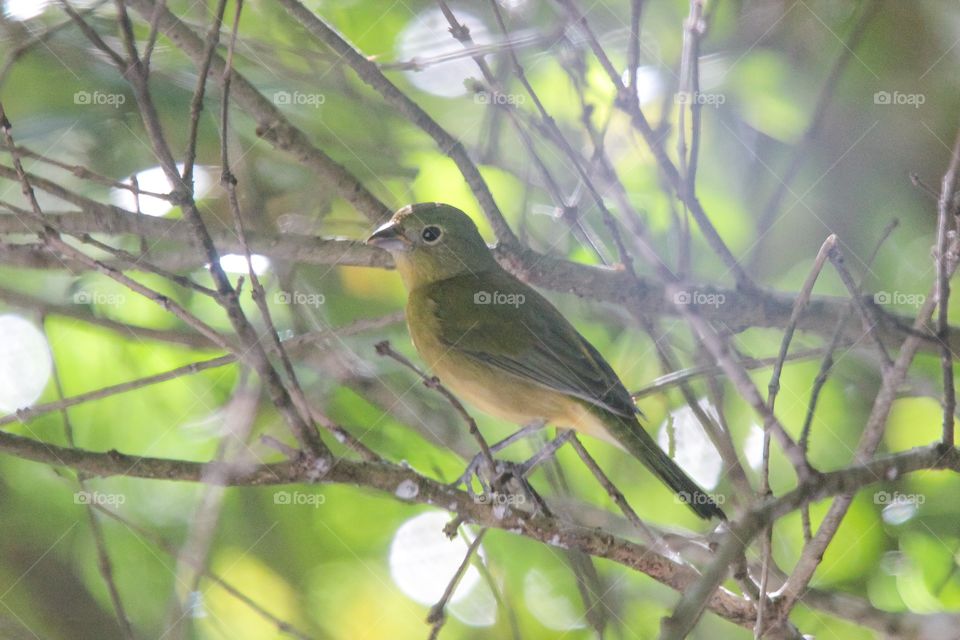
389, 236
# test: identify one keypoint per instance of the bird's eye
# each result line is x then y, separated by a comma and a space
431, 234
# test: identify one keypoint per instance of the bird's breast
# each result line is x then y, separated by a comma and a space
494, 391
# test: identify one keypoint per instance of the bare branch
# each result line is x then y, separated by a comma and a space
103, 557
437, 617
869, 441
320, 338
387, 477
368, 72
944, 261
799, 154
281, 624
432, 382
271, 124
655, 142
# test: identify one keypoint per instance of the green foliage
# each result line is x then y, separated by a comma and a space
321, 564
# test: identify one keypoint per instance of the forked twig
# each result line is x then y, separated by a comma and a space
432, 382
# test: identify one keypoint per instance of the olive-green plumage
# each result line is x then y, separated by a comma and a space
503, 347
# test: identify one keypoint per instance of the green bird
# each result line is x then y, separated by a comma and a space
506, 349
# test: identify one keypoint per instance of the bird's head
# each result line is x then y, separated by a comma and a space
432, 241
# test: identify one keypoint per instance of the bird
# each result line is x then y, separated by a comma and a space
499, 344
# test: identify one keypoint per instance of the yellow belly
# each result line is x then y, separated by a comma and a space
502, 394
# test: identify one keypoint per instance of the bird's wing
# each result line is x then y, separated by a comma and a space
496, 319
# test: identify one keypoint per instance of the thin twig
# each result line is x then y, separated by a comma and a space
41, 37
437, 617
432, 382
29, 413
282, 625
342, 435
869, 441
196, 102
560, 140
581, 566
918, 182
254, 354
944, 259
737, 375
773, 388
368, 71
633, 48
655, 142
826, 365
240, 415
694, 28
799, 307
866, 313
125, 331
615, 494
461, 33
720, 438
85, 173
103, 557
669, 380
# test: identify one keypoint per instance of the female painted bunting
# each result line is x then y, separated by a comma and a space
503, 347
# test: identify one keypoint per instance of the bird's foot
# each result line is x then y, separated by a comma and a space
487, 478
506, 486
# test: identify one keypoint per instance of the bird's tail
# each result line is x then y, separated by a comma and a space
638, 442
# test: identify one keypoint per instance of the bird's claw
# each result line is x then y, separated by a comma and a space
479, 468
507, 484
